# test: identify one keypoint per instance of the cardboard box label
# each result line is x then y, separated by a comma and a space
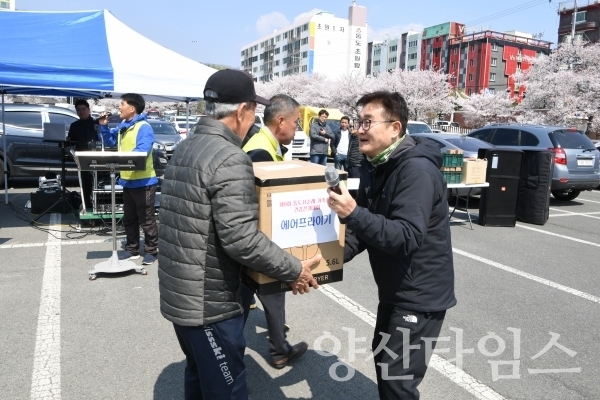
302, 218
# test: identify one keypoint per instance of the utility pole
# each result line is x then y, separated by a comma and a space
573, 24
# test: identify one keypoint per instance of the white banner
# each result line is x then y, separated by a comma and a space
302, 218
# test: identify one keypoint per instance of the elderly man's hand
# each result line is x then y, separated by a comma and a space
343, 204
306, 280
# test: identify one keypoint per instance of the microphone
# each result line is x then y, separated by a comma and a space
333, 179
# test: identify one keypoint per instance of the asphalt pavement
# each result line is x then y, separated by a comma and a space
526, 320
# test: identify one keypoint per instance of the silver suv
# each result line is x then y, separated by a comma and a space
575, 156
27, 154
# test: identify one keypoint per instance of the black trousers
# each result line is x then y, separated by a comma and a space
214, 353
87, 182
399, 378
274, 306
138, 209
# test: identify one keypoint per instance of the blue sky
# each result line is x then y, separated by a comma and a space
215, 31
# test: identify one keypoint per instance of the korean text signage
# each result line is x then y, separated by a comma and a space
303, 218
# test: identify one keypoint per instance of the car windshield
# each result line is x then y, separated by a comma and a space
418, 128
571, 140
164, 129
469, 144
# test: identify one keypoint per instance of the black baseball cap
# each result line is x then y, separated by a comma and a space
232, 86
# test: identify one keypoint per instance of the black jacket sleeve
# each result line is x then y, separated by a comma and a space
403, 232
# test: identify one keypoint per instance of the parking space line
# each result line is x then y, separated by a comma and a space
558, 235
574, 213
447, 369
62, 243
589, 201
45, 379
534, 278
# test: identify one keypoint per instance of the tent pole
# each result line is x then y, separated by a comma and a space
4, 157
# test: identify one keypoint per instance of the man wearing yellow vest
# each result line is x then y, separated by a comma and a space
139, 187
280, 117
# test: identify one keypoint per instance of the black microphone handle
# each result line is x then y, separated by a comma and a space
336, 189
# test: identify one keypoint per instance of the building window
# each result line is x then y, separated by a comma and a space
285, 34
304, 27
392, 60
455, 50
469, 92
304, 68
277, 50
470, 77
494, 46
494, 62
278, 38
580, 17
454, 65
518, 66
492, 77
412, 56
471, 62
4, 5
305, 41
412, 43
393, 48
255, 69
277, 63
305, 54
520, 51
492, 91
472, 47
376, 63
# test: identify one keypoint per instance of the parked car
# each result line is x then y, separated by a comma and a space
165, 133
576, 161
450, 141
27, 155
444, 125
417, 127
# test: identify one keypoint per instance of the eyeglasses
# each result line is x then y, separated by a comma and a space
367, 123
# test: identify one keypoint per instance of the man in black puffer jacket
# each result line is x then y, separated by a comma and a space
401, 218
208, 231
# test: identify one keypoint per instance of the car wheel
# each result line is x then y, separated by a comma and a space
565, 195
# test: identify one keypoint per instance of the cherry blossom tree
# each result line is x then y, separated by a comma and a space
486, 107
562, 85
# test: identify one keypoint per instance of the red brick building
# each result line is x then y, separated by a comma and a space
486, 60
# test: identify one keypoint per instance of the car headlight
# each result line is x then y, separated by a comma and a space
159, 146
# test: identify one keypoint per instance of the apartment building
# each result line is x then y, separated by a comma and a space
587, 20
323, 44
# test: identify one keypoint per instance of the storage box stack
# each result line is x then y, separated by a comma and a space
452, 166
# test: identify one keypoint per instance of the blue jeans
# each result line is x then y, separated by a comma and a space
318, 159
215, 360
341, 161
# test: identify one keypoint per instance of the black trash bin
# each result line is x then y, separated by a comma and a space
498, 203
533, 206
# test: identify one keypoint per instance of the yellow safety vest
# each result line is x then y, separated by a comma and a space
264, 140
127, 142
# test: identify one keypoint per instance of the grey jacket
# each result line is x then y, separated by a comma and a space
318, 142
208, 229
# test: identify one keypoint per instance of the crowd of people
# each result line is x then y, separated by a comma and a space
208, 229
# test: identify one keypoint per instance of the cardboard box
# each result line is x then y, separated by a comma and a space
293, 212
474, 171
